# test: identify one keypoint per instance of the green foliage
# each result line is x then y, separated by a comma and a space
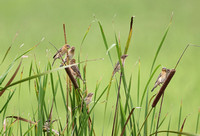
77, 118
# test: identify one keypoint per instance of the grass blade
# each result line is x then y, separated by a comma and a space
8, 100
181, 130
161, 43
169, 126
129, 36
180, 113
105, 41
11, 79
138, 89
175, 132
148, 84
9, 48
197, 125
127, 121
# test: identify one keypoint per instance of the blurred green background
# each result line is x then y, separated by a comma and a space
36, 19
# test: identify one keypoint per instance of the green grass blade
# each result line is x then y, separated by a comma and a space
162, 121
85, 120
169, 126
153, 120
105, 41
128, 94
175, 132
148, 84
9, 48
84, 37
27, 132
197, 125
123, 130
62, 91
8, 100
11, 79
6, 54
180, 113
161, 43
29, 49
138, 85
32, 77
3, 76
113, 45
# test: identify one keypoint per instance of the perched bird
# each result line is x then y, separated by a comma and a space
117, 66
60, 52
74, 69
70, 56
88, 98
162, 77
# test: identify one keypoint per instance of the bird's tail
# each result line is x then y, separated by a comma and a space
153, 88
82, 79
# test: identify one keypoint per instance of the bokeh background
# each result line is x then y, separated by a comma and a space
36, 19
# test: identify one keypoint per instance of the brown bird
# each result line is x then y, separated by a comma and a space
74, 69
60, 52
162, 77
70, 56
117, 66
88, 98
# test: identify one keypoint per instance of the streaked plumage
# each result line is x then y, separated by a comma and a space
88, 98
162, 77
60, 52
71, 54
74, 69
117, 66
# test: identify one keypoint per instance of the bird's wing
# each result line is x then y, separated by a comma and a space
158, 78
57, 52
75, 69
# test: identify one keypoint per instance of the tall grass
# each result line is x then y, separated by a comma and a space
80, 118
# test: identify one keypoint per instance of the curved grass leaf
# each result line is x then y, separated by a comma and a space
9, 48
175, 132
123, 130
11, 79
105, 41
113, 45
8, 100
35, 76
161, 44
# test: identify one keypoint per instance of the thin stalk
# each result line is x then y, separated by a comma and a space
117, 103
68, 83
159, 114
144, 121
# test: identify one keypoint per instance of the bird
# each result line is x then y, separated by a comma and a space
117, 66
162, 77
88, 98
87, 101
70, 55
74, 69
61, 52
